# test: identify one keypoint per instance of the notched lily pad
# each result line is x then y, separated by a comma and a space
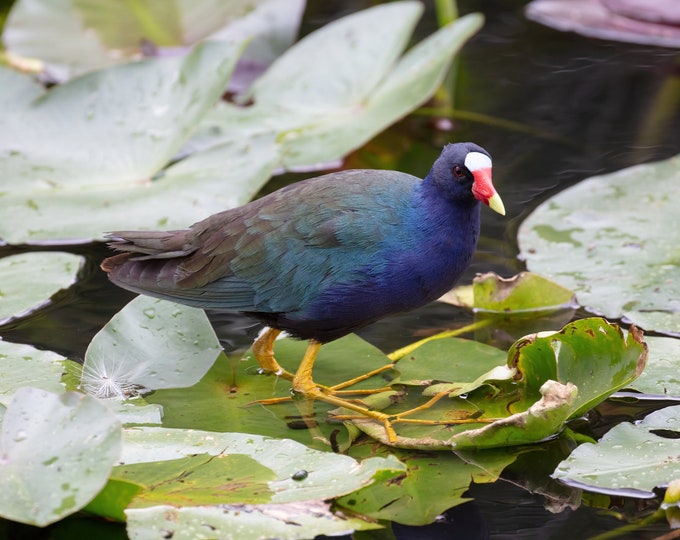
524, 292
524, 303
557, 376
29, 280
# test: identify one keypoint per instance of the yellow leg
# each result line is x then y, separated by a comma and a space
263, 349
303, 383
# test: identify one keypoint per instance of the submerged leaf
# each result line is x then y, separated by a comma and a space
614, 242
28, 280
431, 484
57, 453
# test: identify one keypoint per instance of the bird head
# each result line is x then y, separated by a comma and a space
469, 167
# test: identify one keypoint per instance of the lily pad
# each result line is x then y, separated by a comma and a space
236, 482
125, 124
57, 453
522, 293
661, 376
23, 365
614, 242
630, 460
341, 85
29, 280
430, 485
152, 344
559, 375
75, 36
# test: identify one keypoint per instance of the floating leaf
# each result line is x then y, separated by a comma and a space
57, 453
229, 479
661, 376
630, 460
590, 353
150, 343
74, 36
341, 85
23, 365
125, 124
430, 485
28, 280
559, 375
614, 242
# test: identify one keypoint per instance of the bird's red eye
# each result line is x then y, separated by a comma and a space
458, 172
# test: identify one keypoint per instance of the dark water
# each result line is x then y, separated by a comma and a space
579, 107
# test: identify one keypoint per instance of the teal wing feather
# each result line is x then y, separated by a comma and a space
277, 253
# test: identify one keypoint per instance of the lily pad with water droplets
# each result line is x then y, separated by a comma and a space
630, 459
150, 344
614, 241
57, 453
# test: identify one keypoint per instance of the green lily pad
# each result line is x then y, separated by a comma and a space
75, 36
430, 485
125, 124
524, 292
23, 365
29, 280
614, 242
57, 453
225, 399
590, 353
152, 344
559, 375
184, 474
341, 85
630, 460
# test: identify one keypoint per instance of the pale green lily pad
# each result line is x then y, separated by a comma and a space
328, 474
75, 36
661, 376
614, 241
327, 95
152, 344
290, 521
23, 365
125, 124
28, 280
230, 480
630, 460
57, 453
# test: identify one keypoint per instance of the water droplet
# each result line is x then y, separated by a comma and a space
21, 436
150, 313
